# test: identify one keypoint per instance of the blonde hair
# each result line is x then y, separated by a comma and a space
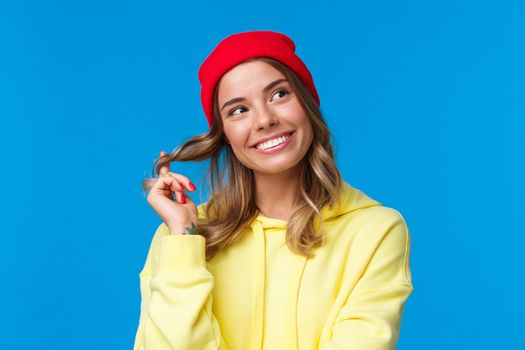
233, 185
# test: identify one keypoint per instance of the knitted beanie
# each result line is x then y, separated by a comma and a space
240, 47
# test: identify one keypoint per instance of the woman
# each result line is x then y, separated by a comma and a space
284, 254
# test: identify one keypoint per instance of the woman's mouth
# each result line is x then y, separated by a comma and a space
274, 145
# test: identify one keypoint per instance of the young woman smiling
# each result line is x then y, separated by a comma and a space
284, 254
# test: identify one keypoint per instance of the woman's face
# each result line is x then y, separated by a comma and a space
256, 103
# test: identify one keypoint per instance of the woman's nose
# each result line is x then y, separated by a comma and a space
264, 118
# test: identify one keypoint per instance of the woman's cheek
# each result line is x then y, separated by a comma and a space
237, 135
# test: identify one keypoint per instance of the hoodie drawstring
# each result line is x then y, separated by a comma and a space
259, 284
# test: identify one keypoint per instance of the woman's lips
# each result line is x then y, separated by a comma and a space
276, 148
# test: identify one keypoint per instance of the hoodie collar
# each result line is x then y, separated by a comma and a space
350, 199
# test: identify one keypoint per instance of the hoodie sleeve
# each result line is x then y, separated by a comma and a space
176, 299
371, 317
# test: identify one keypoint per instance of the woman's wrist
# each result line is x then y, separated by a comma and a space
188, 229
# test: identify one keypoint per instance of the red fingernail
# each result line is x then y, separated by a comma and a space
183, 198
192, 186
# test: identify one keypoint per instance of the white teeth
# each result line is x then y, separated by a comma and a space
272, 143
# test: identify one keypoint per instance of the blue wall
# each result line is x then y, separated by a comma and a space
426, 100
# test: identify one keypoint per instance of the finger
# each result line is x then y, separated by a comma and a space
184, 181
168, 186
162, 183
168, 194
178, 187
177, 182
166, 168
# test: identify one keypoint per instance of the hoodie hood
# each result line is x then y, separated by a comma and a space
350, 199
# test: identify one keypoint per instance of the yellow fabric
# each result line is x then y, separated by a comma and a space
257, 294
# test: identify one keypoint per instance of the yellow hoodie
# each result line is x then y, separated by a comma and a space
257, 294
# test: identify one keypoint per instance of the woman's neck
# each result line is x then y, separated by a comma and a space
276, 194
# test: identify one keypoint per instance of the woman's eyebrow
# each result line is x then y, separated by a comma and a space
265, 90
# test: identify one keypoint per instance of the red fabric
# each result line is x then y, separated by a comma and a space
240, 47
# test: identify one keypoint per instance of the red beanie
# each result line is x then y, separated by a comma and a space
240, 47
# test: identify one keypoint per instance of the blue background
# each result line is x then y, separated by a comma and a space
426, 101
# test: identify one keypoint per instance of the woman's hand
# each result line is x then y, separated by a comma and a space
178, 215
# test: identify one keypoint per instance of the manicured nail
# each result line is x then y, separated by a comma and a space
192, 186
183, 198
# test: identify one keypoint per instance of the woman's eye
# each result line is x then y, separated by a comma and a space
236, 109
281, 91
